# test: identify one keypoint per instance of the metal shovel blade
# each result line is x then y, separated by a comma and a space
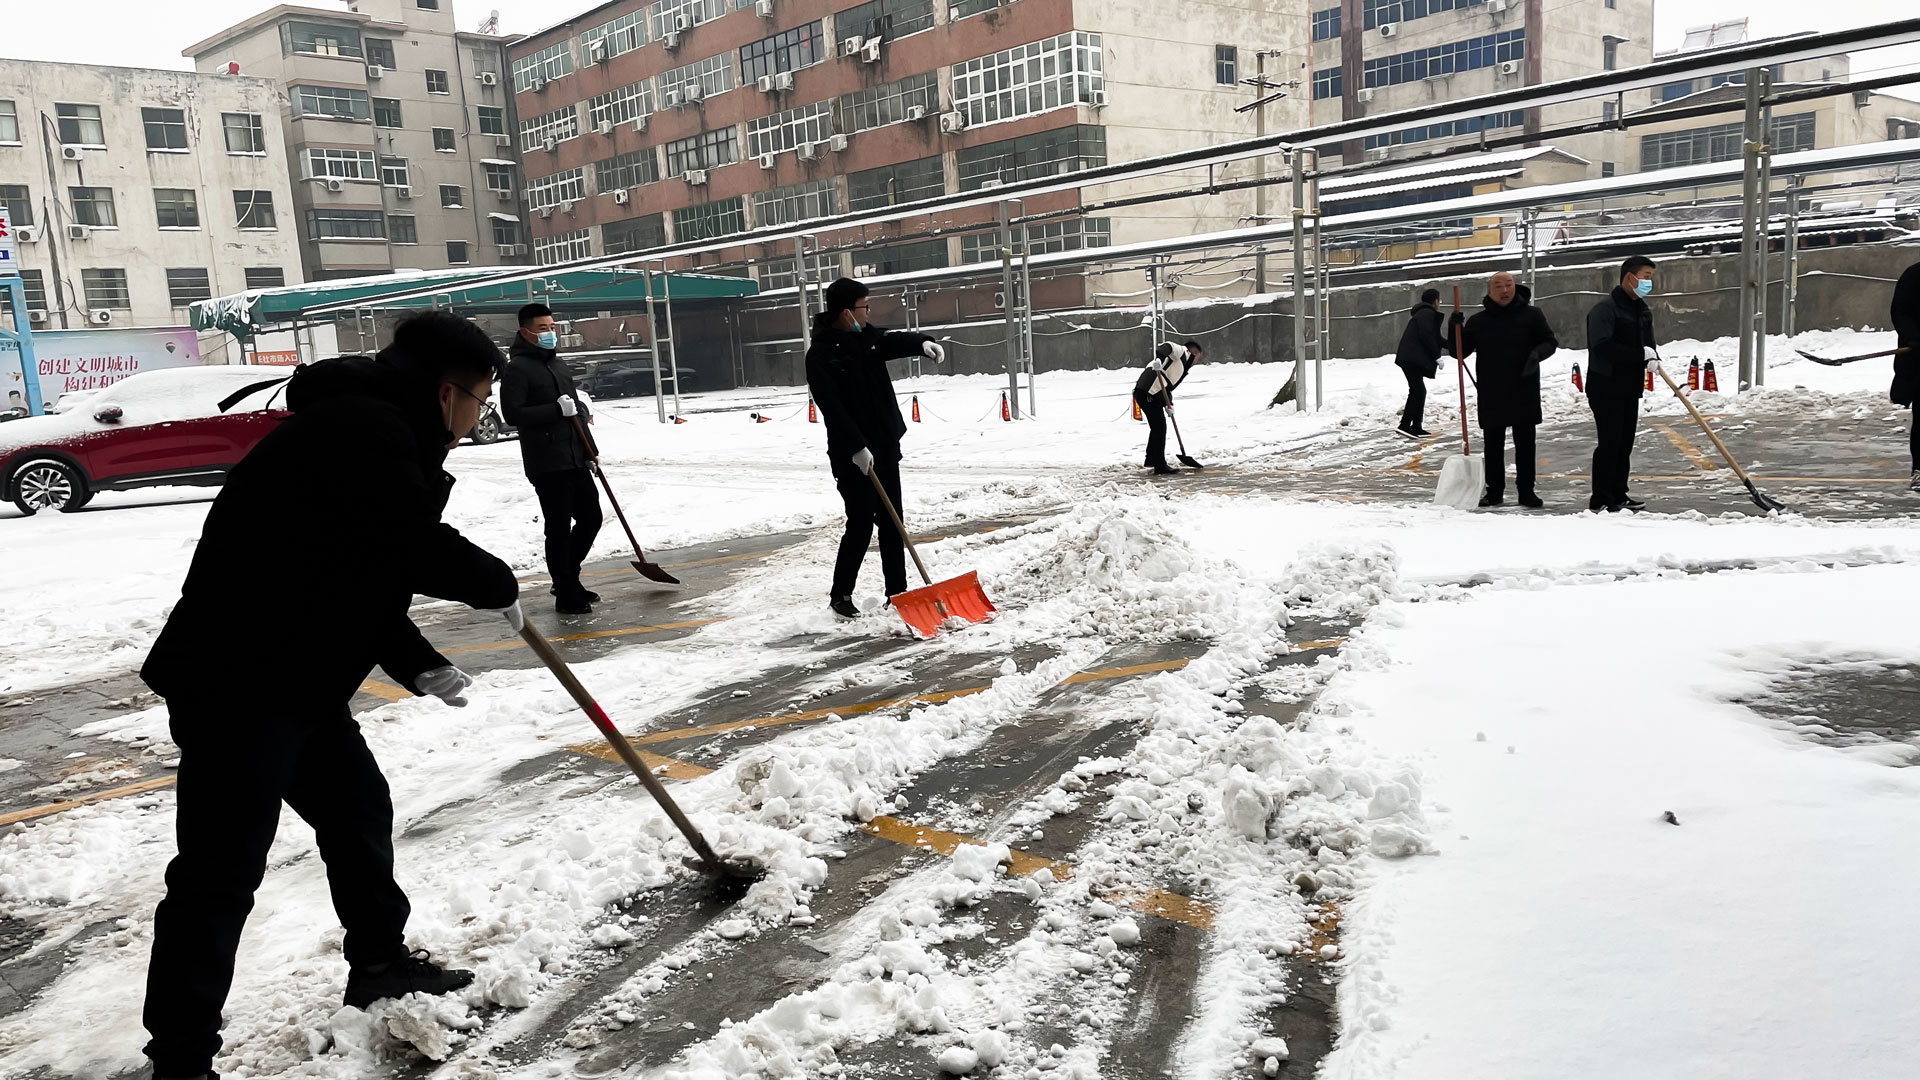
924, 609
654, 572
1463, 480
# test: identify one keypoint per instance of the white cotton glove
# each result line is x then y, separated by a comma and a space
863, 460
934, 352
514, 616
567, 407
446, 683
1653, 362
1652, 356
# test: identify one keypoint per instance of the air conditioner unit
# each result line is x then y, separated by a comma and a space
403, 192
1389, 29
513, 249
1378, 153
783, 81
633, 339
549, 145
1496, 6
670, 99
809, 151
640, 124
504, 142
375, 71
1097, 99
503, 196
545, 211
621, 196
870, 52
27, 234
334, 183
37, 317
79, 232
953, 123
70, 153
850, 47
837, 143
604, 127
488, 78
597, 51
764, 84
1363, 95
767, 160
100, 316
695, 92
916, 112
566, 206
999, 300
539, 83
683, 22
697, 177
1509, 67
763, 8
671, 39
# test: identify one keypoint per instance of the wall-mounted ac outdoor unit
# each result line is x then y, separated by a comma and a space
70, 153
953, 123
697, 177
79, 232
621, 196
100, 316
1389, 29
375, 71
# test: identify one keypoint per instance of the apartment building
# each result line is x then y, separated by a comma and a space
397, 130
136, 192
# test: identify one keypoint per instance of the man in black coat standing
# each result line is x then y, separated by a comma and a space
537, 396
1511, 337
1620, 352
1153, 392
306, 567
847, 376
1419, 358
1906, 367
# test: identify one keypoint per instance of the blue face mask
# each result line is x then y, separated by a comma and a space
1643, 287
548, 339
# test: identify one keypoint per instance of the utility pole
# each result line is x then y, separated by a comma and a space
1790, 262
1299, 279
1264, 94
1753, 235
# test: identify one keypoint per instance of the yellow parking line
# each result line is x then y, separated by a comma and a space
1693, 453
383, 690
139, 788
587, 635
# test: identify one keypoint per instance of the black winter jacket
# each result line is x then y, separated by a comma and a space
534, 380
1619, 332
1906, 321
314, 550
1420, 343
847, 375
1510, 342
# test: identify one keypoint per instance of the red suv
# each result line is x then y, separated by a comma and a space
174, 426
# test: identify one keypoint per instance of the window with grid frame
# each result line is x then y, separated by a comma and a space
320, 39
785, 131
893, 185
245, 132
450, 196
394, 172
548, 64
386, 113
332, 101
93, 206
253, 210
1456, 56
621, 35
402, 229
1027, 79
499, 176
1326, 24
1609, 53
19, 203
963, 8
630, 170
437, 82
326, 161
9, 122
1472, 125
187, 286
1045, 153
457, 253
1328, 83
443, 141
380, 51
622, 104
878, 106
79, 125
569, 186
723, 217
492, 120
635, 234
795, 202
661, 14
506, 233
707, 150
780, 273
329, 224
714, 74
884, 19
1375, 12
1720, 142
176, 208
35, 287
166, 129
1071, 234
900, 258
558, 125
1226, 65
789, 50
265, 277
566, 247
106, 288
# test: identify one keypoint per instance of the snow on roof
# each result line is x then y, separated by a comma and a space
1419, 185
1452, 164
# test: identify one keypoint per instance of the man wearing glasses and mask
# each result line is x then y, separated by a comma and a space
537, 396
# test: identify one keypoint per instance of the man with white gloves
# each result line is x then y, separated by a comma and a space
538, 397
847, 375
1153, 393
1620, 354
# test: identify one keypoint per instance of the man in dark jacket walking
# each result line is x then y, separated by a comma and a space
847, 376
1906, 367
1511, 337
1153, 392
1620, 352
537, 396
300, 585
1419, 358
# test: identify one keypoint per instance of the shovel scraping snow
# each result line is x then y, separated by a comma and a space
1463, 477
924, 609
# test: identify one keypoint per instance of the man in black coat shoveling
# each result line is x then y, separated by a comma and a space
537, 396
306, 567
1906, 366
1620, 353
1510, 336
1153, 392
847, 376
1419, 359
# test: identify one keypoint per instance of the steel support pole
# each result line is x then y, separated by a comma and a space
1790, 261
673, 344
1750, 211
653, 347
1529, 243
1299, 282
1026, 311
1763, 250
802, 278
1260, 168
1006, 297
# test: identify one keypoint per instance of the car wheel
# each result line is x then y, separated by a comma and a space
488, 429
48, 484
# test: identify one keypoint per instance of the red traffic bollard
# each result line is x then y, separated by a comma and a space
916, 408
1005, 412
813, 414
1577, 385
1693, 374
1713, 381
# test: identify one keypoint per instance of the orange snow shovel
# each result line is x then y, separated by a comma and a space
924, 609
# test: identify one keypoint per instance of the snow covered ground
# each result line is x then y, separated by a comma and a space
1478, 782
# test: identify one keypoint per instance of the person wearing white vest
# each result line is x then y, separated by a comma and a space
1153, 393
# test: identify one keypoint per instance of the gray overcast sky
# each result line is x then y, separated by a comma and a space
151, 33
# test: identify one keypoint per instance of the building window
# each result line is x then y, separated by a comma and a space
782, 273
965, 8
637, 234
1606, 168
186, 287
622, 35
1226, 62
450, 196
795, 202
245, 135
714, 75
346, 225
1042, 237
893, 185
386, 113
80, 125
1612, 4
106, 289
380, 51
93, 206
393, 172
253, 209
1449, 129
1447, 59
443, 141
427, 5
1609, 53
35, 287
500, 175
402, 229
1375, 12
569, 186
629, 170
344, 164
789, 50
166, 128
9, 122
176, 208
621, 105
1609, 111
1671, 91
707, 150
900, 258
878, 106
884, 19
546, 65
437, 82
1029, 79
456, 252
319, 39
787, 130
1326, 24
1722, 142
331, 101
493, 121
265, 277
18, 202
1327, 83
722, 218
1046, 153
565, 247
558, 126
506, 232
666, 15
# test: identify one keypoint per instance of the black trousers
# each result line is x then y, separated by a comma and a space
864, 512
1156, 413
1913, 436
570, 512
1523, 459
236, 767
1616, 416
1413, 416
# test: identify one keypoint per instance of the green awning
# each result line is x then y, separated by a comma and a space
257, 311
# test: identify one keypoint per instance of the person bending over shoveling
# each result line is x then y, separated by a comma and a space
847, 376
1153, 392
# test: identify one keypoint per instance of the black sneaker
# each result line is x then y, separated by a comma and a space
1406, 432
843, 607
1423, 433
1164, 470
579, 606
1631, 503
1531, 501
414, 973
1915, 486
1491, 499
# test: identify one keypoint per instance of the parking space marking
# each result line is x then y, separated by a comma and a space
1692, 453
140, 788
